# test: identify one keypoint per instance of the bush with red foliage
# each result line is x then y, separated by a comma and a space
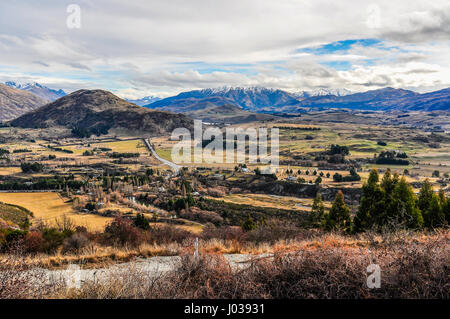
121, 231
33, 242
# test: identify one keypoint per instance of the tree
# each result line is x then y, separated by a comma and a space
434, 216
318, 180
317, 211
371, 208
32, 168
403, 207
387, 210
425, 196
446, 210
248, 224
435, 174
337, 177
141, 222
339, 217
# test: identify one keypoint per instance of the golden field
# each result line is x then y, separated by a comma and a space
50, 206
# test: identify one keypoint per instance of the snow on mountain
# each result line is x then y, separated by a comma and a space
248, 98
323, 92
145, 100
38, 90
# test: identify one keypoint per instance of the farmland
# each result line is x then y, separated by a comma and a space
49, 207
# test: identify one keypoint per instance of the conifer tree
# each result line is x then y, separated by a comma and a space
425, 196
403, 209
339, 217
446, 210
317, 211
434, 215
372, 205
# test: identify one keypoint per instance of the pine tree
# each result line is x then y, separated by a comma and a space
434, 215
403, 209
388, 182
317, 211
339, 217
446, 210
425, 196
371, 208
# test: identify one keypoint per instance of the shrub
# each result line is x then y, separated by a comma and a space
75, 242
167, 234
52, 239
248, 224
225, 232
202, 216
121, 231
33, 242
272, 232
140, 221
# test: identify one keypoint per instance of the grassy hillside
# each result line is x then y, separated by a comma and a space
13, 213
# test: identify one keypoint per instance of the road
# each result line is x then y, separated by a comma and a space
172, 165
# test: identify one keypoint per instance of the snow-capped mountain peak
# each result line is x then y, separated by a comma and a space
14, 85
145, 100
37, 89
245, 89
323, 92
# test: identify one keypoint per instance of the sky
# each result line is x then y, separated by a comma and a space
141, 48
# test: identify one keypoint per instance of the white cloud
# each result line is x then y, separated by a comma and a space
162, 47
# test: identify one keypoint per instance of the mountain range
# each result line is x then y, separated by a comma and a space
15, 102
99, 111
226, 104
275, 101
322, 92
250, 99
144, 101
40, 90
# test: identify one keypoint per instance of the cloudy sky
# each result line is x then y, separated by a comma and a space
137, 48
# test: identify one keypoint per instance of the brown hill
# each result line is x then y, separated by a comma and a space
14, 102
230, 114
96, 110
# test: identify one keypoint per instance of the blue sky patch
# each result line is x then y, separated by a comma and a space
340, 46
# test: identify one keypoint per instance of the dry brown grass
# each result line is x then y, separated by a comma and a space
413, 265
413, 269
98, 256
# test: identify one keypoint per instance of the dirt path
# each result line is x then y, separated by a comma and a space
153, 267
